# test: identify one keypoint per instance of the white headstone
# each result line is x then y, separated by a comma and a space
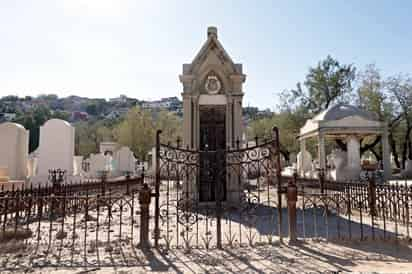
125, 160
14, 145
97, 164
56, 148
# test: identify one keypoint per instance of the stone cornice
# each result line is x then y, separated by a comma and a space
240, 78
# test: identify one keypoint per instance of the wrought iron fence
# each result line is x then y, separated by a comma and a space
87, 227
353, 210
212, 198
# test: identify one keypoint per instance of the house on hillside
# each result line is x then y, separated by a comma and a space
7, 117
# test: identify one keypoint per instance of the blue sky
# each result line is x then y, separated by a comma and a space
103, 48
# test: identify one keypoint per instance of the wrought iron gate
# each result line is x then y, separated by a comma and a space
246, 205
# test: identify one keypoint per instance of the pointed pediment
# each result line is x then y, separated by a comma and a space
212, 52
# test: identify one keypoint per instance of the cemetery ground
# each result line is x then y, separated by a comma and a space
309, 256
78, 246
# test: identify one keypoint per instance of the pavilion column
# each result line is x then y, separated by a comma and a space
353, 158
301, 172
353, 145
321, 150
386, 155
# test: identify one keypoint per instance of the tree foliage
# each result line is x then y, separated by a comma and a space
138, 129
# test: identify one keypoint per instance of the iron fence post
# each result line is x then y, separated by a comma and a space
218, 197
322, 180
372, 195
103, 179
157, 190
279, 179
292, 197
144, 201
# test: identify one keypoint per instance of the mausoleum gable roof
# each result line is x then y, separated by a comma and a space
211, 43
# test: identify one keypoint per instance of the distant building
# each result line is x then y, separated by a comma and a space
169, 103
79, 116
117, 113
120, 99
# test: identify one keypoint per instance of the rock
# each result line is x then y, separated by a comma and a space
60, 235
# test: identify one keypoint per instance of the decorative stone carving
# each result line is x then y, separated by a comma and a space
212, 84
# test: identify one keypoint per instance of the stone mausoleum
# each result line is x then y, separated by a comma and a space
212, 104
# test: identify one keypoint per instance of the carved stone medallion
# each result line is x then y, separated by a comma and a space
212, 84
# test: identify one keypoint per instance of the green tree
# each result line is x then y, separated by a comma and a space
90, 134
170, 124
137, 131
399, 90
327, 83
391, 100
289, 124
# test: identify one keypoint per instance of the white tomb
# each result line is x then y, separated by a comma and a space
77, 165
56, 148
14, 144
124, 160
304, 162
